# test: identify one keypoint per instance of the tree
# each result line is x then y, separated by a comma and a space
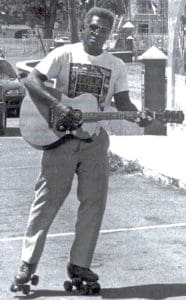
118, 7
73, 20
46, 13
43, 13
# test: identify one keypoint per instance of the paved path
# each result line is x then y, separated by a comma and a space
141, 249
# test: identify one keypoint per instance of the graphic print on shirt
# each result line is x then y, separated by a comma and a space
85, 78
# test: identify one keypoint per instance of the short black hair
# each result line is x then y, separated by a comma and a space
100, 12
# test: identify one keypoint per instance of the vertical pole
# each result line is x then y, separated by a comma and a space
3, 115
163, 20
129, 11
154, 62
41, 41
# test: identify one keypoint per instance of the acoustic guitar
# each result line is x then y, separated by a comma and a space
38, 123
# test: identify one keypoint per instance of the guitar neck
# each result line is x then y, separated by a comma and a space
167, 116
119, 115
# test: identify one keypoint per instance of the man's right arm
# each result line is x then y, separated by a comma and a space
35, 84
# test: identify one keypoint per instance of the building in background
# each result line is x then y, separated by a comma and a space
149, 19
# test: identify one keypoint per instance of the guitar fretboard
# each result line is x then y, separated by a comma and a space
120, 115
167, 116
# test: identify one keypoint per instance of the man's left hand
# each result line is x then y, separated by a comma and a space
145, 118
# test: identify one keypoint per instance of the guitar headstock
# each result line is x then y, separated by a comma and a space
171, 116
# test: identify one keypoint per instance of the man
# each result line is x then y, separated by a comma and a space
78, 68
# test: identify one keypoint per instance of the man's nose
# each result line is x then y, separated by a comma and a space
95, 32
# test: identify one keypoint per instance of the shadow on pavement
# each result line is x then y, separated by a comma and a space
12, 127
153, 291
12, 132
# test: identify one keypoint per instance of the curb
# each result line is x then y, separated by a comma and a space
159, 157
124, 166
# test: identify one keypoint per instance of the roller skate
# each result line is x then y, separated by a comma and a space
83, 280
22, 278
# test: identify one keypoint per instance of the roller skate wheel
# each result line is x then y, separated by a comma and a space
26, 289
87, 290
90, 292
93, 288
77, 282
34, 280
15, 288
97, 288
68, 286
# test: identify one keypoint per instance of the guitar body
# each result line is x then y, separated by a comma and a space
38, 122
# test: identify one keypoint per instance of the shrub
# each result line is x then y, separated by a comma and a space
118, 165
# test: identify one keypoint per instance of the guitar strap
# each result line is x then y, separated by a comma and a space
65, 139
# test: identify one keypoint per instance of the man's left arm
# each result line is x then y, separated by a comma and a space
123, 103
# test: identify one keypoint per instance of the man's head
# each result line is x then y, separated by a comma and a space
98, 24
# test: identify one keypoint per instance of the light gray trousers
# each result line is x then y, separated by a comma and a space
58, 166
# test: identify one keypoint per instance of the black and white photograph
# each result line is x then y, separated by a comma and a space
92, 149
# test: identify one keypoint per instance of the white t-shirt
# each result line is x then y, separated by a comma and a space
76, 72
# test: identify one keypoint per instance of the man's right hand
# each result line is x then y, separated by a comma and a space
69, 119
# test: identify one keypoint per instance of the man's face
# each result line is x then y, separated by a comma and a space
96, 32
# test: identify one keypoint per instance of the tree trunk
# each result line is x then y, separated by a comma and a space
50, 18
73, 21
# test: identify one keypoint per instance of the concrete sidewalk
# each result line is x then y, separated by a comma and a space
141, 250
162, 157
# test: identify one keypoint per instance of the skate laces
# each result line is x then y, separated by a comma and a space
88, 274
